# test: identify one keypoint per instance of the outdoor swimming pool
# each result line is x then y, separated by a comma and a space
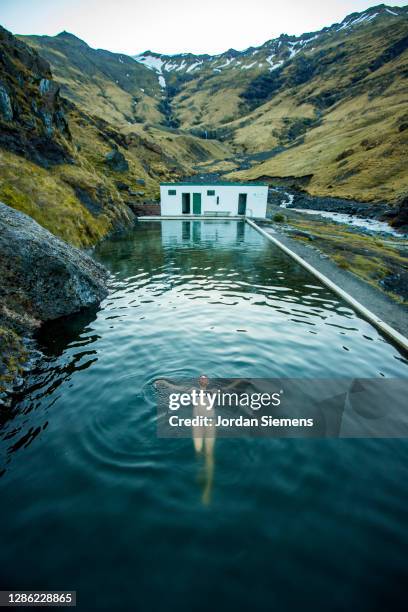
93, 501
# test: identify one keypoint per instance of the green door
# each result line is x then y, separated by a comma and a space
196, 203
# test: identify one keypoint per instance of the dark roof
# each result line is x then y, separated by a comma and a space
217, 184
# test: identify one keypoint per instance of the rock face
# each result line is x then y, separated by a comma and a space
42, 276
117, 161
32, 114
400, 220
5, 104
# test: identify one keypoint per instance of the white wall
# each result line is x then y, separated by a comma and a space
228, 199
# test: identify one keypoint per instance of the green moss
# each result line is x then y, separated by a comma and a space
366, 256
50, 201
12, 357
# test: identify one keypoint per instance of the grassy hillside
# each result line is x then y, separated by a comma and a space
110, 85
55, 156
124, 93
359, 151
327, 110
329, 105
351, 138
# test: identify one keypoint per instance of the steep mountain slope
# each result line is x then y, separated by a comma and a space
249, 78
352, 139
70, 171
327, 109
123, 92
330, 106
107, 84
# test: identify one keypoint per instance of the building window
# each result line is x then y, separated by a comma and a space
172, 192
210, 192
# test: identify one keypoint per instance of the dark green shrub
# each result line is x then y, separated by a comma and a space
279, 218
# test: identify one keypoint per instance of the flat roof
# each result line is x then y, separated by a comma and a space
218, 184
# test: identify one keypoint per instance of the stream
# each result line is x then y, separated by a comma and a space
372, 226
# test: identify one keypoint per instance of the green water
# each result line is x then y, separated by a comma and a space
93, 501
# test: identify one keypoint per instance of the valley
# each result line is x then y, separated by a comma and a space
326, 109
88, 135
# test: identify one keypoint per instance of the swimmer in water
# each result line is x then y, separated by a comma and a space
203, 436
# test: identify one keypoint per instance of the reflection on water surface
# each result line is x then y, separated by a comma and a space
92, 497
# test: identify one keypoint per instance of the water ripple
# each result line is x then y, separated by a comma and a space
231, 305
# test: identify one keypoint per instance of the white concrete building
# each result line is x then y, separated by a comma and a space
217, 199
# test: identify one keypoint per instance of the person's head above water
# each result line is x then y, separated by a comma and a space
203, 381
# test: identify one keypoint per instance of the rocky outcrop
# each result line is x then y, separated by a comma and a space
116, 160
6, 110
399, 219
42, 275
42, 278
32, 114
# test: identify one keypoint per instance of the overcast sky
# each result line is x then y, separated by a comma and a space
175, 26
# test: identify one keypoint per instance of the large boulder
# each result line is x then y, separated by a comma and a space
42, 277
400, 214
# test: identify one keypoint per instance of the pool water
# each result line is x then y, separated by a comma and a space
93, 501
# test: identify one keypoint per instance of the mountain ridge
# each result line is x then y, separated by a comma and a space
349, 21
286, 97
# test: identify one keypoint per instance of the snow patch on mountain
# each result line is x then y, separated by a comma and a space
168, 67
365, 17
227, 63
293, 52
273, 66
150, 61
193, 66
264, 57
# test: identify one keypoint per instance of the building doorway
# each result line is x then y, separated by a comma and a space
242, 202
185, 203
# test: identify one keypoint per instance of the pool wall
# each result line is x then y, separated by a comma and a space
378, 323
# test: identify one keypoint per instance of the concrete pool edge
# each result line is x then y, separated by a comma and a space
376, 321
189, 217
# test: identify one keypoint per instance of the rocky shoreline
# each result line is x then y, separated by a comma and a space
42, 278
396, 216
